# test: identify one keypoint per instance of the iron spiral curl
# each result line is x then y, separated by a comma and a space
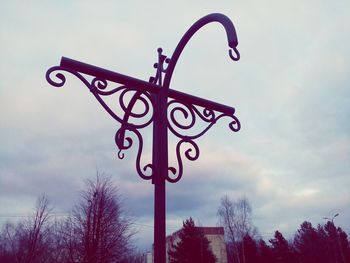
100, 87
124, 142
191, 153
190, 114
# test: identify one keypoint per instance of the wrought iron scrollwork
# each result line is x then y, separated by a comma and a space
190, 115
159, 105
182, 116
130, 119
160, 68
191, 152
125, 142
181, 127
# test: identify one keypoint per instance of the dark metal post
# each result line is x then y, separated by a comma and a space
160, 162
164, 101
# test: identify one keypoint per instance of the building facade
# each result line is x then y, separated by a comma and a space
215, 235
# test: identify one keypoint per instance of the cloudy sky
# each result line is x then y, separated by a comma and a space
290, 90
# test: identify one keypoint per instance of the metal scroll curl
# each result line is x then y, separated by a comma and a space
191, 153
125, 142
182, 118
99, 87
135, 110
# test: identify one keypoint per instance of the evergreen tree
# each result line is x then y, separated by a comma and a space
193, 246
323, 236
309, 244
344, 245
250, 250
282, 251
337, 243
265, 252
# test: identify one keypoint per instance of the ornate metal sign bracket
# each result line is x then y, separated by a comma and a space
160, 106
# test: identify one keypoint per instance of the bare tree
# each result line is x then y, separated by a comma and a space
8, 245
236, 219
56, 249
99, 230
37, 234
27, 241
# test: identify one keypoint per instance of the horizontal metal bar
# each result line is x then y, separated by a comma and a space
141, 84
190, 99
108, 75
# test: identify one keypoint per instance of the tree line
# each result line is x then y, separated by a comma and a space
322, 244
325, 243
97, 230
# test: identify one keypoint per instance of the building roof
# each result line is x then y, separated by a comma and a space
206, 230
212, 230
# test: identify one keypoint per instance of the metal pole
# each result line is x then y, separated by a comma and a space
210, 114
160, 162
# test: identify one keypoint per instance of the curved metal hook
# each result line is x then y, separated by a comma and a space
237, 54
216, 17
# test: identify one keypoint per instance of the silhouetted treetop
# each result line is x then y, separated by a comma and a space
192, 246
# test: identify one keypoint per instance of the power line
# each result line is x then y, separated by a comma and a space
60, 214
57, 214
